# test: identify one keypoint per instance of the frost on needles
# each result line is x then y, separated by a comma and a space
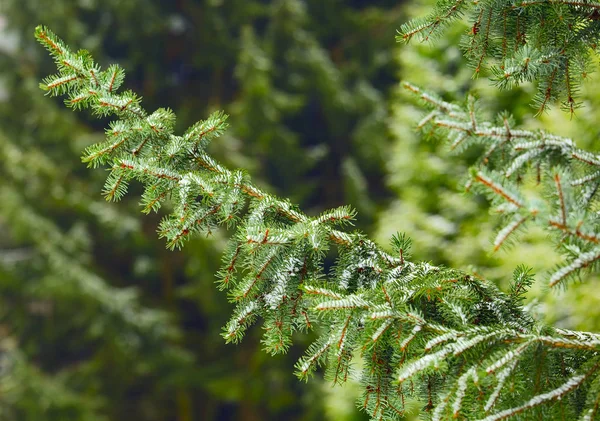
454, 342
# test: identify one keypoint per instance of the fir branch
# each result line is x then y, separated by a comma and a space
498, 189
561, 199
549, 39
582, 261
445, 11
416, 323
556, 394
508, 230
562, 204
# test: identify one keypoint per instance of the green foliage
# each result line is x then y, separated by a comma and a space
52, 291
550, 42
450, 339
295, 141
567, 179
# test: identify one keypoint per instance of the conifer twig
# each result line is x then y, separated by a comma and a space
413, 323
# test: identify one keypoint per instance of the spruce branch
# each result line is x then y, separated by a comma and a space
567, 178
429, 332
550, 42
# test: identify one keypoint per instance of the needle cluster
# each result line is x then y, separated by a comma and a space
452, 341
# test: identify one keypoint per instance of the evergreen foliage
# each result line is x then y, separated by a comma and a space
566, 175
552, 42
51, 289
293, 126
455, 341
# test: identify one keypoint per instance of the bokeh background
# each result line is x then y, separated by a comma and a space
98, 321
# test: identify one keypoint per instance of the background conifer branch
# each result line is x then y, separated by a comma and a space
550, 42
565, 181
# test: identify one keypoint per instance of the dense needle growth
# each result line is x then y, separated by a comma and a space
458, 344
552, 42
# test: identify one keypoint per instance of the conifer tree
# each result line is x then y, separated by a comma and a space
452, 340
120, 252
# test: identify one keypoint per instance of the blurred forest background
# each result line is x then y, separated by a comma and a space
98, 321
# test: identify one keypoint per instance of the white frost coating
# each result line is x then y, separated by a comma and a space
315, 241
588, 416
342, 236
459, 139
502, 376
185, 181
562, 143
410, 337
505, 232
568, 342
582, 261
306, 365
385, 314
452, 124
257, 214
426, 119
345, 279
290, 268
377, 334
352, 301
510, 355
506, 208
408, 278
275, 297
321, 291
442, 338
439, 409
426, 267
234, 325
557, 393
462, 388
520, 160
475, 377
461, 347
585, 179
414, 333
395, 273
184, 189
427, 97
76, 64
458, 310
582, 336
114, 101
422, 364
586, 157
